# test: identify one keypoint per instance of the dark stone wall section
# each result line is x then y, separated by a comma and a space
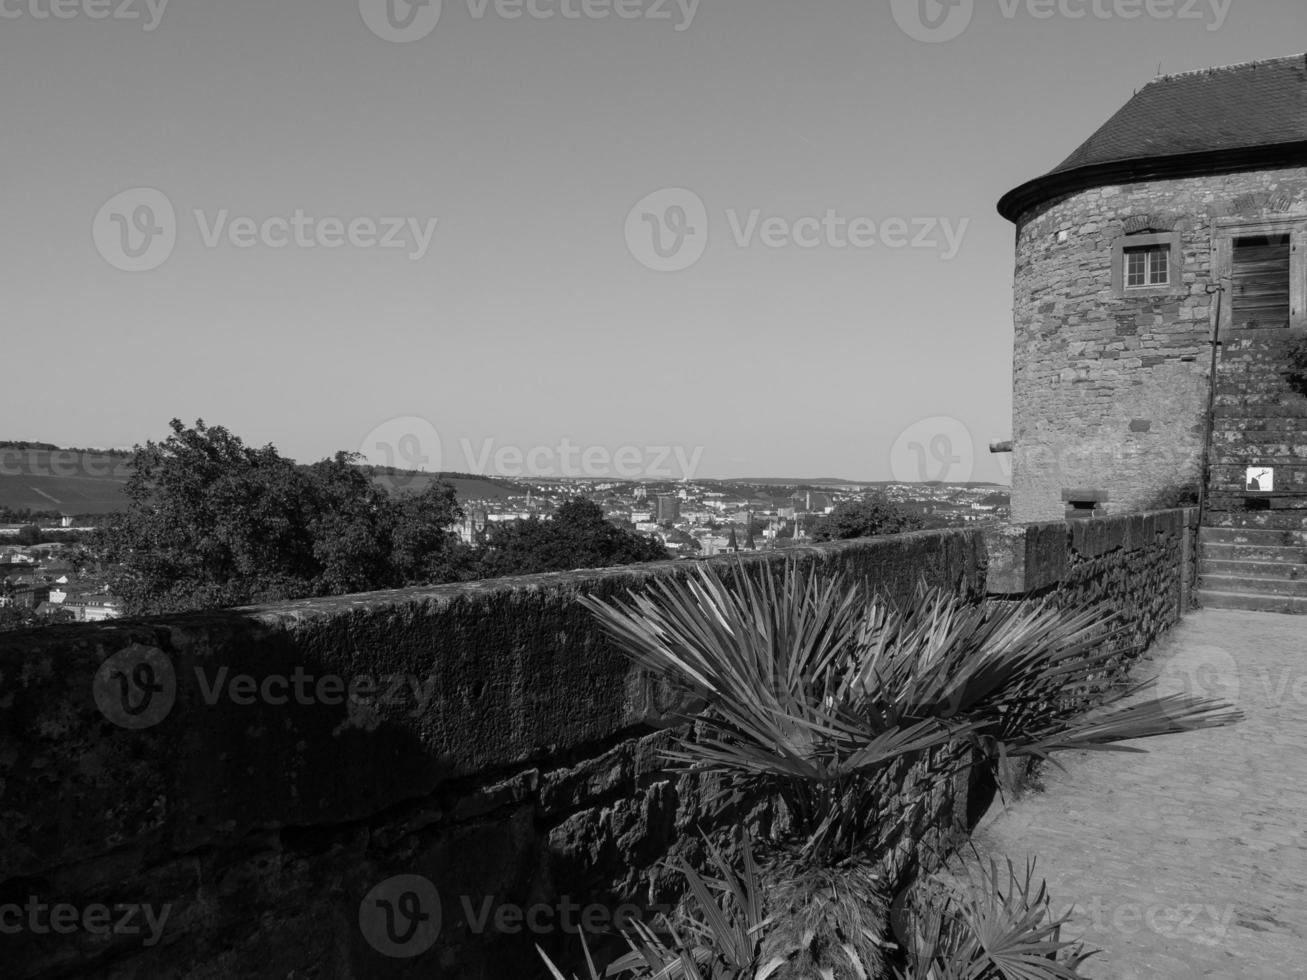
495, 745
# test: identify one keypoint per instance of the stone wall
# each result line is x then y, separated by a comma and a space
1110, 391
265, 821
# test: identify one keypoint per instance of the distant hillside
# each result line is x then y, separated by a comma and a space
775, 481
72, 482
467, 486
768, 481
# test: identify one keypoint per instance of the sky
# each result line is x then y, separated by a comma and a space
628, 238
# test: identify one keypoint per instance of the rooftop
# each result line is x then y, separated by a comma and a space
1209, 121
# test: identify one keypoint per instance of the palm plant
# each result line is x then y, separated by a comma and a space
772, 659
983, 926
722, 930
717, 934
814, 689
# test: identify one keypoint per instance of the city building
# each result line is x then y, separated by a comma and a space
668, 509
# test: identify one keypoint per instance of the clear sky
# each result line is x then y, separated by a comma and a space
530, 319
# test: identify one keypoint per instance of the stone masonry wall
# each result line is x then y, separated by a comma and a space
1109, 392
264, 820
1259, 420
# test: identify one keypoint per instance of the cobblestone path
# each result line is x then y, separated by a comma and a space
1189, 861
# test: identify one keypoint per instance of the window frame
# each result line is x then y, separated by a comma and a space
1146, 252
1225, 231
1170, 241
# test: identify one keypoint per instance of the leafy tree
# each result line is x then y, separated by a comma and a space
29, 534
865, 518
578, 536
17, 618
213, 523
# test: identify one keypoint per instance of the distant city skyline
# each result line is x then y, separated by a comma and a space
758, 237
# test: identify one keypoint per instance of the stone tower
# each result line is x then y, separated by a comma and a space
1183, 218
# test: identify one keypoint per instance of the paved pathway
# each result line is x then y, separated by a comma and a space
1189, 861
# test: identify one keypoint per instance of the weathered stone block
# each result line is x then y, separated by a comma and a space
1025, 558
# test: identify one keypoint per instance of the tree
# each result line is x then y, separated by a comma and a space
865, 518
213, 523
17, 618
578, 536
29, 534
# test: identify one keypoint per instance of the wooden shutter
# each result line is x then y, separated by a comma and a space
1260, 281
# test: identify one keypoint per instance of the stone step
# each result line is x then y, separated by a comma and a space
1261, 426
1268, 553
1231, 473
1228, 407
1253, 603
1237, 503
1257, 520
1253, 586
1234, 388
1257, 430
1250, 568
1254, 536
1238, 448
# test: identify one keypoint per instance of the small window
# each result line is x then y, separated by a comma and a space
1148, 265
1261, 279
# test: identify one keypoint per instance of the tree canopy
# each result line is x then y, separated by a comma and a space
865, 518
214, 523
578, 536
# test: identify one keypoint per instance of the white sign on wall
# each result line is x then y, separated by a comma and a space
1260, 478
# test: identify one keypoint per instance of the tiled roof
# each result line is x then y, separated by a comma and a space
1257, 104
1201, 114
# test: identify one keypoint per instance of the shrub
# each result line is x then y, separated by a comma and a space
1296, 356
813, 689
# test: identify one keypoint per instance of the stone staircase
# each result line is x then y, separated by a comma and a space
1253, 547
1263, 569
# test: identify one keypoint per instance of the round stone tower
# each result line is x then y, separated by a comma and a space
1184, 216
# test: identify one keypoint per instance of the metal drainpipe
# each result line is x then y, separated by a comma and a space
1210, 422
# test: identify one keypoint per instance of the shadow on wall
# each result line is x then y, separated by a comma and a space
274, 785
